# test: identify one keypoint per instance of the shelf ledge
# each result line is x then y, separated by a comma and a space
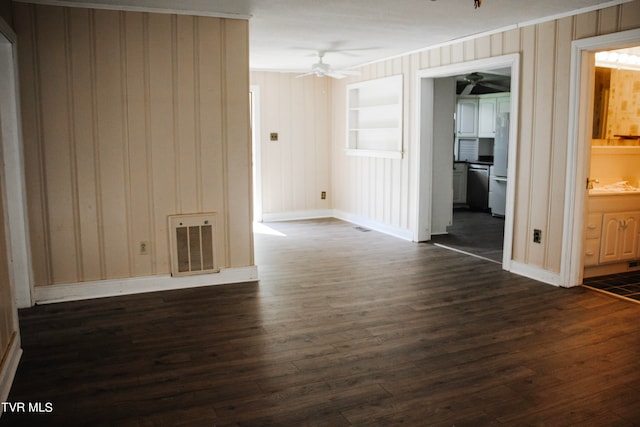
374, 153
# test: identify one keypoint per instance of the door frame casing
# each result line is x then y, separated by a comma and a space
424, 157
15, 183
579, 146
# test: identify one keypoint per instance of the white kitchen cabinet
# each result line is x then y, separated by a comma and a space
503, 103
487, 117
488, 107
619, 239
460, 183
467, 117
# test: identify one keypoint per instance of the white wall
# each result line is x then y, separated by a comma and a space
380, 190
297, 167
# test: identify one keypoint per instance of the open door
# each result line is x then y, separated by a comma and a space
444, 105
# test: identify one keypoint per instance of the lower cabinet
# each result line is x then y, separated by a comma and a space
460, 183
619, 239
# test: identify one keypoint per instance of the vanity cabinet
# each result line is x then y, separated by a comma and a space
611, 233
592, 239
619, 240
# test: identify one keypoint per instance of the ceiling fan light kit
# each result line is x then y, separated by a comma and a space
321, 69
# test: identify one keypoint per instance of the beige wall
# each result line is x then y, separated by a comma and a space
296, 168
380, 189
129, 117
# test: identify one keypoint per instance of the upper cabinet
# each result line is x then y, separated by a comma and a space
476, 115
374, 124
467, 117
488, 107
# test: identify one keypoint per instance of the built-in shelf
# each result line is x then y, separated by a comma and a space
374, 122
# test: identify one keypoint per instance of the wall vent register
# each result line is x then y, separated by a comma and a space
192, 244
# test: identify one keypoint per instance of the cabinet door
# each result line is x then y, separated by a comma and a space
629, 235
487, 117
467, 117
460, 183
609, 244
619, 236
503, 104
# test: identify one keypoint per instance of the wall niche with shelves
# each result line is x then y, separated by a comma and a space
374, 122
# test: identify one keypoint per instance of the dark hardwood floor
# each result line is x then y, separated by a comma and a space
476, 232
345, 328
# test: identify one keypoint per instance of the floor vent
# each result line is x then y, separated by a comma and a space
192, 242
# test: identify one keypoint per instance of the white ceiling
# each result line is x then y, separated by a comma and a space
285, 34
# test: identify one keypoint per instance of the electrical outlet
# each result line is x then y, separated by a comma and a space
537, 235
273, 136
144, 248
323, 195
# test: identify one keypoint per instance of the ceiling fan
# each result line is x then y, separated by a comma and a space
490, 81
321, 69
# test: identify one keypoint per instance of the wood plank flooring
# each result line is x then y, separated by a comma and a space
475, 232
345, 328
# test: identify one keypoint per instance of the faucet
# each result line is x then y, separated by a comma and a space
590, 183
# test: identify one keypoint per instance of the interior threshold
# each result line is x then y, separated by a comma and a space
465, 252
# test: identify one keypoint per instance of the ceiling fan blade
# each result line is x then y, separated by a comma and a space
467, 89
305, 74
348, 72
336, 74
495, 86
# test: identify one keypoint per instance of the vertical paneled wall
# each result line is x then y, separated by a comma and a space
297, 167
376, 189
129, 117
380, 189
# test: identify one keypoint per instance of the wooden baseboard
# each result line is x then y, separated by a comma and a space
135, 285
400, 233
606, 269
9, 367
297, 215
536, 273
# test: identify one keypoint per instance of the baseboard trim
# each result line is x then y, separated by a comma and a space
297, 215
136, 285
9, 368
400, 233
536, 273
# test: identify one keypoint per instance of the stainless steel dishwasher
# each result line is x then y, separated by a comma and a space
478, 186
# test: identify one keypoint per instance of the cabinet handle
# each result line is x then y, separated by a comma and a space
590, 253
592, 226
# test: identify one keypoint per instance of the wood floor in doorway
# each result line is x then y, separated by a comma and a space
344, 328
475, 232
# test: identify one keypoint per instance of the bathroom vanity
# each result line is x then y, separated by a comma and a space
612, 232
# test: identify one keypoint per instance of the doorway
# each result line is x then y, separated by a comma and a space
611, 261
575, 246
430, 222
14, 174
256, 162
